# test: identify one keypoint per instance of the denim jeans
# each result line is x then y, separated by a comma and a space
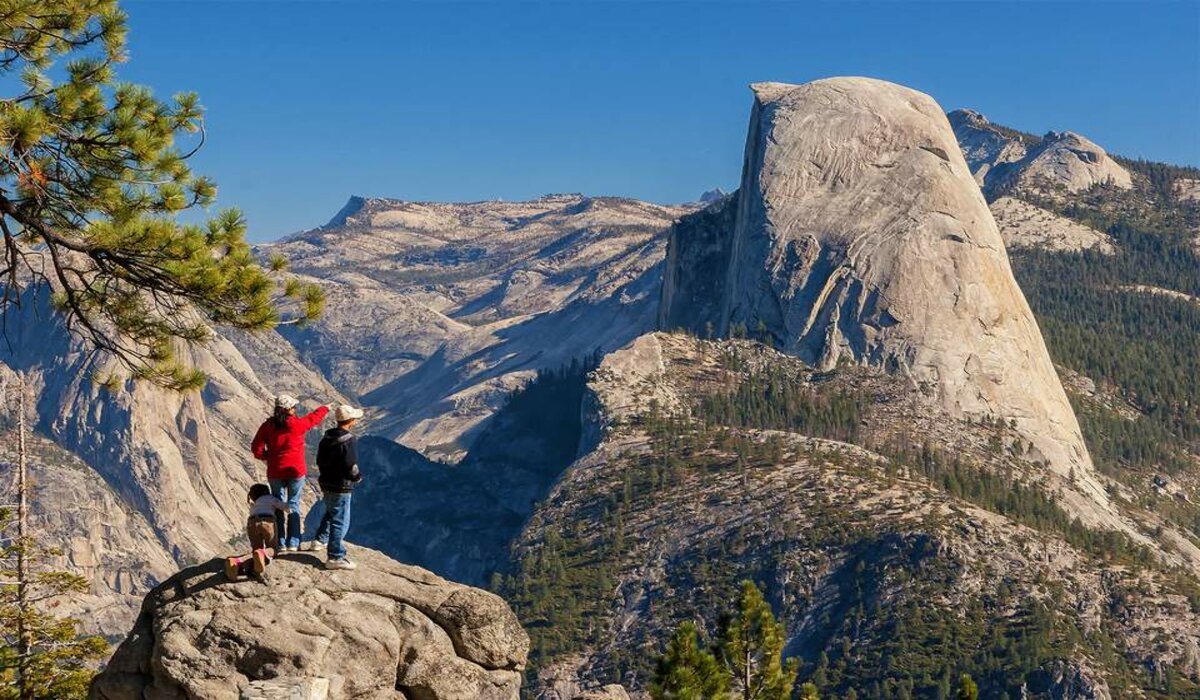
288, 491
335, 523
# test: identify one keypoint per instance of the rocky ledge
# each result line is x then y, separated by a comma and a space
384, 630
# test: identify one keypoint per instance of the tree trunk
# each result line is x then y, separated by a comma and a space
746, 681
24, 645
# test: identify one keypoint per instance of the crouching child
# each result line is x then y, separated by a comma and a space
260, 529
337, 460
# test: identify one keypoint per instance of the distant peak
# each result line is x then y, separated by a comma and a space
1056, 136
714, 195
968, 116
352, 207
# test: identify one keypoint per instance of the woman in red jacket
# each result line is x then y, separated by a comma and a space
280, 442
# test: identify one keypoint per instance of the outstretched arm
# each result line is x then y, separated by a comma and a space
313, 419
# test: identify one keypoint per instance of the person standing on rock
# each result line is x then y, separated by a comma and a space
280, 443
337, 460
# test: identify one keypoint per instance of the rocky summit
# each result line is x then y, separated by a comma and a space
1001, 158
384, 630
859, 235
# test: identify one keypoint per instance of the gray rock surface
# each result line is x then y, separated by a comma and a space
438, 310
1025, 225
385, 630
861, 236
1001, 158
984, 146
161, 476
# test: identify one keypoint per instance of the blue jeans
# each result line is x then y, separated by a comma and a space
288, 491
335, 523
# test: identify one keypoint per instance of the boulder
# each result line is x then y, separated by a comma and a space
384, 630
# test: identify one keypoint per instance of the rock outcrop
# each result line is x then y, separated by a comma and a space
860, 236
1001, 158
1025, 225
167, 471
385, 630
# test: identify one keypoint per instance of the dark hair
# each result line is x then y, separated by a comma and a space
280, 417
257, 491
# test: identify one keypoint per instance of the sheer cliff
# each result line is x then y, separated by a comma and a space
860, 236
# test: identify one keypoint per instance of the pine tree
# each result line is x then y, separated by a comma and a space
687, 671
808, 691
91, 182
967, 690
751, 648
43, 656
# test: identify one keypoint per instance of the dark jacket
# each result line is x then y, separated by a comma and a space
337, 459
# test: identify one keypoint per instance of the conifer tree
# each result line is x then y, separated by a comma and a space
687, 671
751, 648
42, 656
967, 690
93, 173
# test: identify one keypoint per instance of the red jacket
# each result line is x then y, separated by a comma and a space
283, 449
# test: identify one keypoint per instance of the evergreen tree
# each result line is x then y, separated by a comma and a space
42, 656
751, 648
967, 690
808, 691
91, 182
687, 671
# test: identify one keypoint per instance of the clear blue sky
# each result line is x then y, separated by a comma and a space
310, 102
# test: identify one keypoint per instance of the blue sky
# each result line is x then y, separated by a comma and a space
310, 102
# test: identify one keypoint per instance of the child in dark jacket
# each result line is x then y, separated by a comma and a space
337, 460
260, 529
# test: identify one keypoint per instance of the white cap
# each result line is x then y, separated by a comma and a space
286, 402
345, 413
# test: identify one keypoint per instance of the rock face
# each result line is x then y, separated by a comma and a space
1001, 158
860, 236
438, 311
165, 474
385, 630
1025, 225
985, 146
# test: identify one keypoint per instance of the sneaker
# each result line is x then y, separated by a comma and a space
231, 567
343, 564
314, 545
291, 548
260, 560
